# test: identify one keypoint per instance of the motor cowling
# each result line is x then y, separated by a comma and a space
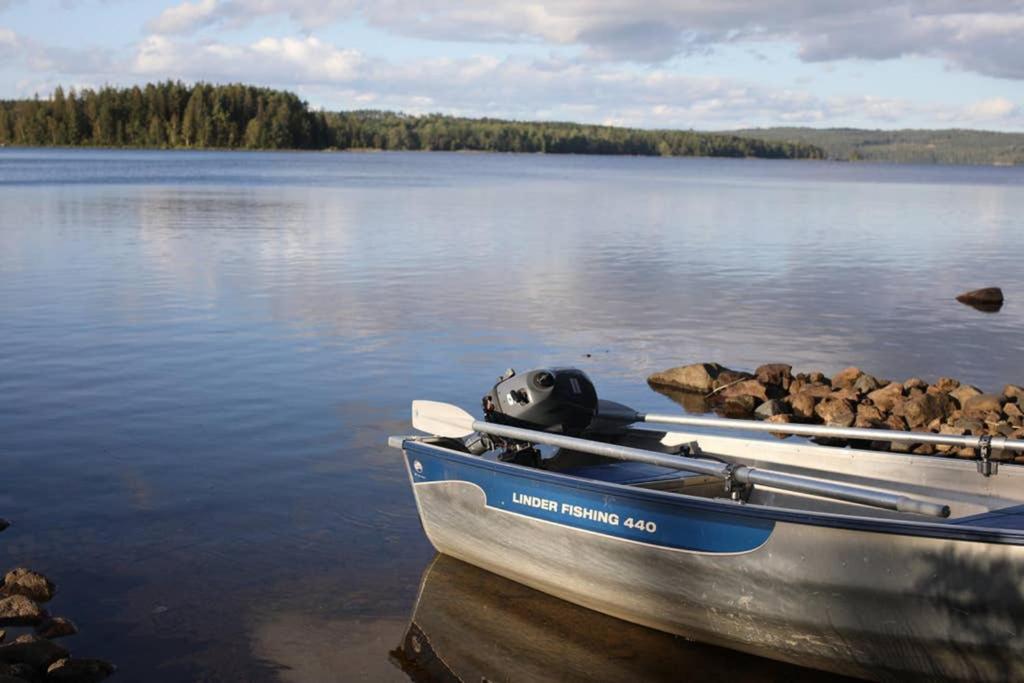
552, 400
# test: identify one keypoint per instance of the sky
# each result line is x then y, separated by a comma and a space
706, 65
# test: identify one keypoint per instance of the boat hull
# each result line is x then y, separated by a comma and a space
840, 595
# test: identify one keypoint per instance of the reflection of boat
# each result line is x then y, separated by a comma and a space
860, 562
470, 625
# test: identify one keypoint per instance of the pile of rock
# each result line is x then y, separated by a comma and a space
33, 657
850, 398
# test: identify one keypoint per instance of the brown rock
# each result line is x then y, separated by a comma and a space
985, 296
728, 377
1015, 420
17, 610
770, 408
896, 423
818, 378
698, 377
835, 412
3, 634
817, 390
952, 431
966, 452
1012, 392
803, 405
886, 397
970, 425
37, 652
978, 406
746, 387
779, 374
79, 671
865, 384
738, 407
846, 395
780, 418
56, 627
915, 383
1012, 409
935, 425
26, 582
946, 384
923, 449
846, 378
869, 412
964, 392
920, 410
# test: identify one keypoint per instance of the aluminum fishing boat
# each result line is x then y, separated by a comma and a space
867, 563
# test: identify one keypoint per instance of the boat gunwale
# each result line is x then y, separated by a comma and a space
948, 530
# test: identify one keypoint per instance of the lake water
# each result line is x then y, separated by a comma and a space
202, 355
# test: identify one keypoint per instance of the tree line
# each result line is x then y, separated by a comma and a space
173, 115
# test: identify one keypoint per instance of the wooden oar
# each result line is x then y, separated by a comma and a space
444, 419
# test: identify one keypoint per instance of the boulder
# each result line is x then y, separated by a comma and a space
79, 671
818, 378
869, 412
779, 374
1012, 409
887, 397
781, 418
56, 627
816, 390
964, 392
846, 395
26, 582
698, 377
918, 411
923, 449
970, 425
989, 296
37, 652
18, 673
915, 383
952, 431
1012, 392
846, 378
865, 384
835, 412
770, 408
745, 387
981, 404
803, 405
728, 377
946, 384
4, 524
17, 610
3, 634
895, 422
738, 407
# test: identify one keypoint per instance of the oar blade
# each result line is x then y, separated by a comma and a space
441, 419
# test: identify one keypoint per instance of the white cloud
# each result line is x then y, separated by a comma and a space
188, 16
991, 109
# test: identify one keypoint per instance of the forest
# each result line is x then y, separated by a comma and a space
175, 115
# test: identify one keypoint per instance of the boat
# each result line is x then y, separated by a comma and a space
469, 625
865, 563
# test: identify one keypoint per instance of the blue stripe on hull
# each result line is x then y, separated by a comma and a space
542, 495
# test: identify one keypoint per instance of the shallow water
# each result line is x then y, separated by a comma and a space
202, 354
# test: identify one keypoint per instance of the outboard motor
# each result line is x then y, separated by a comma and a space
552, 400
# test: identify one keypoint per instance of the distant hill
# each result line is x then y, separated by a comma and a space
951, 146
174, 115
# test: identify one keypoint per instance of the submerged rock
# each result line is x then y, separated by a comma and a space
56, 627
79, 671
989, 296
738, 407
4, 524
26, 582
39, 653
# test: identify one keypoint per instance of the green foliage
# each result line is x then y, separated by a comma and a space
953, 146
174, 115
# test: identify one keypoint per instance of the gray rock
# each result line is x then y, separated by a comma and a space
37, 652
26, 582
770, 408
17, 610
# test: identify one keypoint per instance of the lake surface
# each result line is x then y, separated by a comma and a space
202, 355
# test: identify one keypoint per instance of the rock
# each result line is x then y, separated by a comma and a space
803, 405
3, 634
770, 408
738, 407
935, 425
746, 387
846, 378
869, 412
727, 377
56, 627
946, 384
970, 425
966, 452
816, 390
964, 392
4, 524
779, 374
26, 582
978, 406
1012, 409
950, 430
987, 296
780, 418
918, 411
865, 384
915, 383
18, 673
887, 397
79, 671
923, 449
1012, 392
818, 378
835, 412
1015, 420
895, 422
37, 652
17, 610
698, 377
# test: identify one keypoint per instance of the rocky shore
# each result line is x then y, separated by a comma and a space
850, 398
32, 655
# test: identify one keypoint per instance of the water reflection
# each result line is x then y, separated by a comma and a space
470, 625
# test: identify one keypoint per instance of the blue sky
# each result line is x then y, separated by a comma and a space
711, 64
